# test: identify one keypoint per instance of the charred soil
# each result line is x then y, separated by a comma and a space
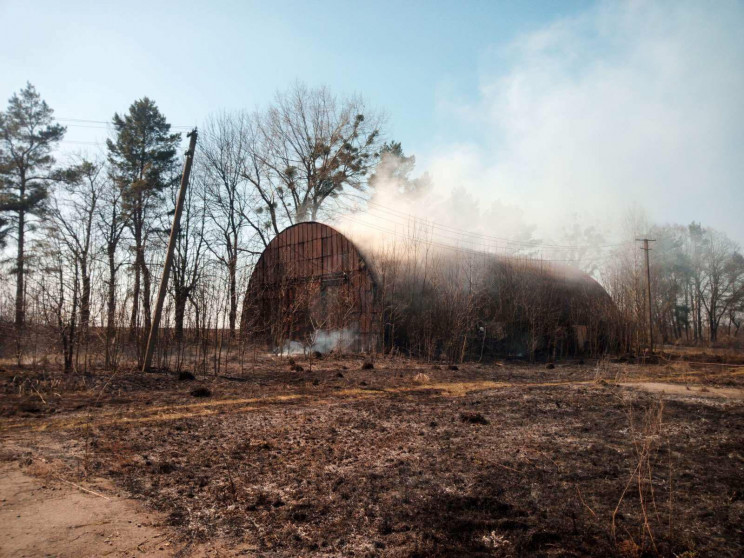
405, 459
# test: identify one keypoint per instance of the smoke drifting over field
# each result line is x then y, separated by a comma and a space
626, 104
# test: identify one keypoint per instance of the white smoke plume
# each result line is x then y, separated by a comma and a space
321, 341
627, 104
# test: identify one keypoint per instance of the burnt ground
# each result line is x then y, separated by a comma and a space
406, 458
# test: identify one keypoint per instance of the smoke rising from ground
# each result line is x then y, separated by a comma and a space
321, 341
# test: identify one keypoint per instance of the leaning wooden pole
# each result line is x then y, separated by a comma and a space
646, 249
169, 255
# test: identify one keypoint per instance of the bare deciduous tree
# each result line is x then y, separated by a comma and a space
226, 151
315, 147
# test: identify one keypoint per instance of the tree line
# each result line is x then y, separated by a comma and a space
98, 226
697, 285
84, 239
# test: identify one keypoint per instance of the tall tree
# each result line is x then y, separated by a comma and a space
188, 257
314, 147
73, 221
111, 229
392, 175
227, 156
59, 287
143, 158
28, 135
722, 283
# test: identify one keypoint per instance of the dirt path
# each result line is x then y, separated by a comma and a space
687, 390
48, 517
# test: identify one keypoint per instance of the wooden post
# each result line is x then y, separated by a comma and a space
648, 291
175, 227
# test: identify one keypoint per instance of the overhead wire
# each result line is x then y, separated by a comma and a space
97, 125
86, 121
465, 250
477, 239
526, 243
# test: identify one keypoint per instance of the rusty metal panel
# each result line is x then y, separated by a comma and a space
317, 248
317, 266
313, 265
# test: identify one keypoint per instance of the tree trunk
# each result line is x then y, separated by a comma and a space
73, 324
135, 300
197, 316
712, 322
699, 317
84, 300
233, 271
20, 307
179, 300
111, 304
146, 282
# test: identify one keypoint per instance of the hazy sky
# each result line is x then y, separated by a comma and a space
549, 108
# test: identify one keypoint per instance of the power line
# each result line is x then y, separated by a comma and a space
526, 243
84, 142
85, 121
483, 238
469, 251
424, 225
85, 126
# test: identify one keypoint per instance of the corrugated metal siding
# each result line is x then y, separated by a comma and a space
312, 277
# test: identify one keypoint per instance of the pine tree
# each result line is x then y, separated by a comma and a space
392, 173
28, 135
143, 158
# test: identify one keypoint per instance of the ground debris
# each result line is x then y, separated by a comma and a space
408, 459
473, 418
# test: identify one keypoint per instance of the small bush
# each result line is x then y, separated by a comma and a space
473, 418
421, 378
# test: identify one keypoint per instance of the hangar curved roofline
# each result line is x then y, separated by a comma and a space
312, 279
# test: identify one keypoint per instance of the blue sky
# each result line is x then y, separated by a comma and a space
540, 108
90, 59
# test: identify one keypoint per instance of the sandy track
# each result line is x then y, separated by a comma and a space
41, 517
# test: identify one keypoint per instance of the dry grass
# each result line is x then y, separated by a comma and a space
407, 459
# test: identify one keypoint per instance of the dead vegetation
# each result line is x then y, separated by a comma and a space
405, 459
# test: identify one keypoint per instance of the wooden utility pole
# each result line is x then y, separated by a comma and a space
175, 227
646, 249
